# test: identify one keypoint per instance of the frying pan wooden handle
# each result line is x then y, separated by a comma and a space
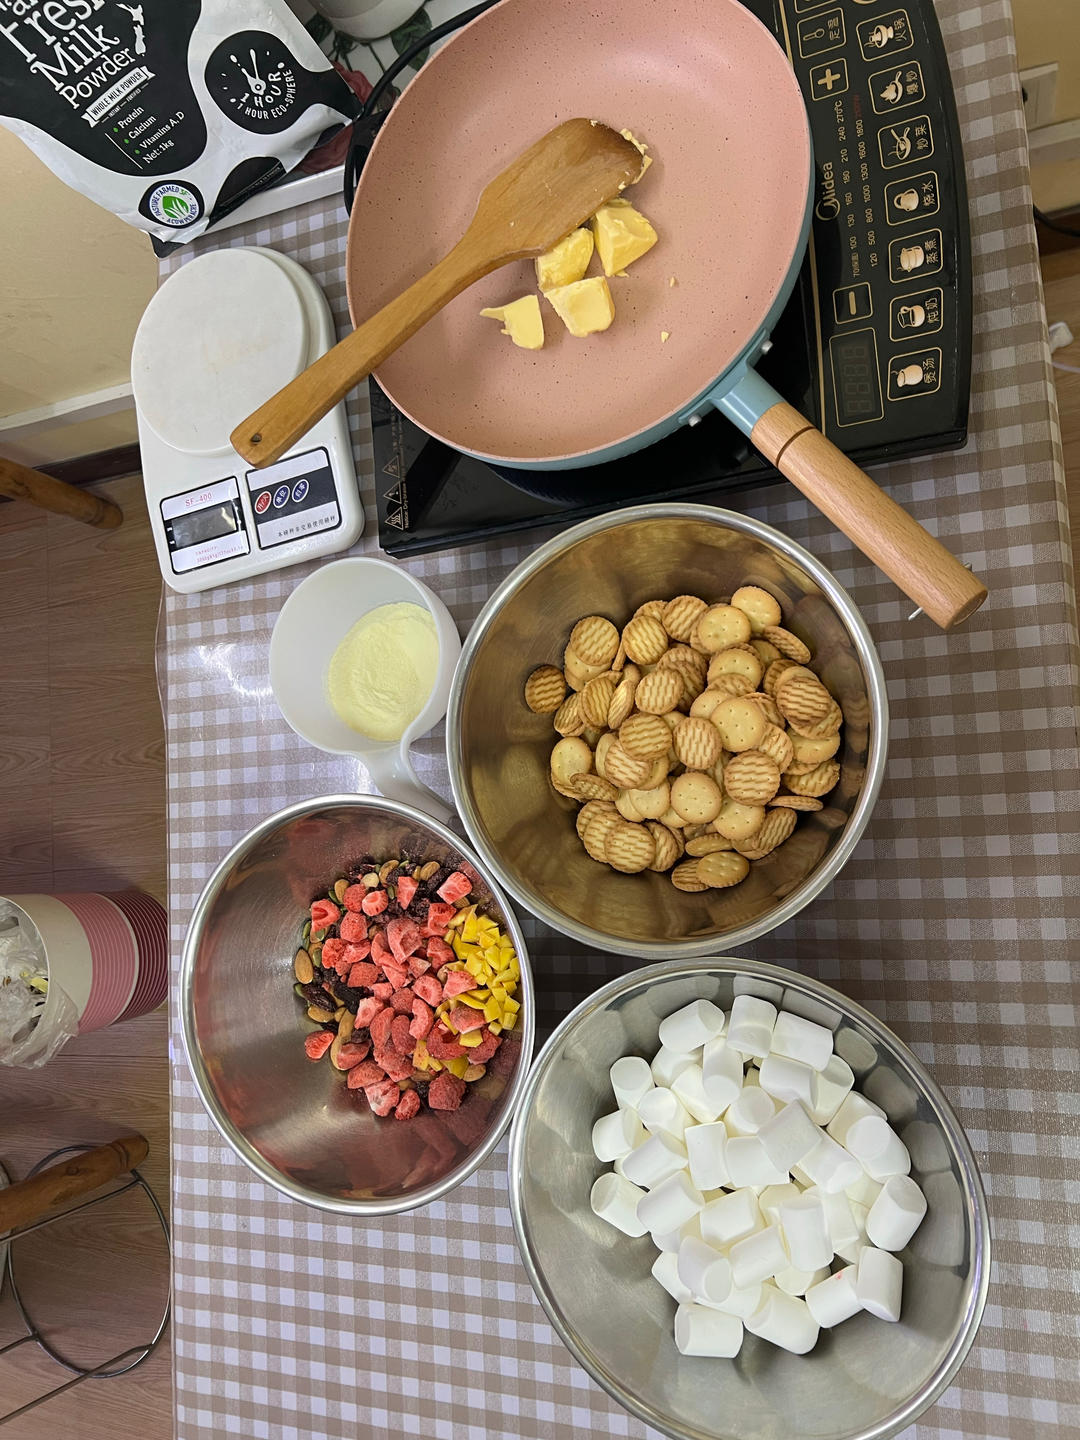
910, 556
30, 1200
276, 426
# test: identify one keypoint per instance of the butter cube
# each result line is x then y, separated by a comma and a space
623, 235
585, 306
565, 262
522, 321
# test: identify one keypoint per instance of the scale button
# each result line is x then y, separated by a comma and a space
916, 373
920, 310
885, 34
896, 87
909, 199
281, 496
915, 255
852, 302
262, 502
818, 33
906, 140
299, 491
829, 79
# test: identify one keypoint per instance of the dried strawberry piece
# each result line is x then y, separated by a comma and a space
382, 1097
428, 988
446, 1091
362, 974
324, 913
439, 952
352, 1053
380, 948
397, 1067
442, 1045
400, 1038
368, 1072
384, 990
454, 887
380, 1028
354, 897
466, 1018
357, 950
438, 918
396, 974
367, 1010
333, 951
423, 1018
457, 982
418, 965
401, 1001
482, 1053
406, 889
407, 1106
354, 929
317, 1045
374, 902
404, 937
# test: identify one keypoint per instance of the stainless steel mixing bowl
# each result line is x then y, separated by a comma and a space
498, 749
293, 1122
866, 1379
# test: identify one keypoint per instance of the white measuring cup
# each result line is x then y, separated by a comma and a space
312, 623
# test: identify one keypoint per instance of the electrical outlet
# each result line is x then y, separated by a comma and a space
1040, 95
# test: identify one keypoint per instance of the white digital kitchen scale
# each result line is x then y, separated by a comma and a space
222, 335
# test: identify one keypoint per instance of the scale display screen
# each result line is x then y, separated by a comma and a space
204, 526
208, 524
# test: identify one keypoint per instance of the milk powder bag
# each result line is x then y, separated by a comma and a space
167, 112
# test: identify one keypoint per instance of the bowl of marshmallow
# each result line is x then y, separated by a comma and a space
747, 1208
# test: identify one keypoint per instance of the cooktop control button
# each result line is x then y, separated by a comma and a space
907, 200
829, 79
908, 139
916, 373
885, 34
896, 87
819, 33
915, 255
852, 302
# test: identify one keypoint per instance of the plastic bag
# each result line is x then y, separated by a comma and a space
169, 113
26, 1038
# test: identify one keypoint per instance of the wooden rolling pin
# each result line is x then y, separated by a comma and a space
30, 1200
19, 482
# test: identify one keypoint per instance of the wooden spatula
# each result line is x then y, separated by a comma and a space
547, 192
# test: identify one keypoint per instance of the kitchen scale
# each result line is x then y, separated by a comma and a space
874, 346
223, 333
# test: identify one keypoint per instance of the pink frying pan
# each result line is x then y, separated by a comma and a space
708, 88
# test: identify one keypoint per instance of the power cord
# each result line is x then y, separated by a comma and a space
1042, 219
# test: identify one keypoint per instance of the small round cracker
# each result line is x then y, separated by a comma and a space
685, 877
760, 608
545, 690
787, 643
722, 868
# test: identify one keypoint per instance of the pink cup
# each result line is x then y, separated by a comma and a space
110, 952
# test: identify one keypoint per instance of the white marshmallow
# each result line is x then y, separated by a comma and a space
788, 1135
806, 1232
750, 1025
613, 1135
704, 1270
670, 1205
741, 1302
834, 1300
749, 1164
853, 1108
630, 1079
702, 1331
785, 1321
653, 1162
759, 1257
615, 1200
772, 1197
729, 1218
786, 1079
844, 1230
665, 1271
828, 1088
693, 1025
852, 1249
689, 1087
896, 1213
798, 1282
661, 1114
722, 1073
672, 1239
829, 1165
802, 1040
748, 1112
864, 1191
666, 1064
878, 1148
879, 1281
705, 1148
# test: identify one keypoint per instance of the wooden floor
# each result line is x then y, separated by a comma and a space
82, 769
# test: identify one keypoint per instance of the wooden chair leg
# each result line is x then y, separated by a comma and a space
21, 483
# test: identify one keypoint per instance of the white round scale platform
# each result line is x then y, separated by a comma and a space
223, 334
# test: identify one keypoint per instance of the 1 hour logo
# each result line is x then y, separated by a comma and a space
253, 79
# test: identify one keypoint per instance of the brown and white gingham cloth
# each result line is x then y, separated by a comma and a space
952, 920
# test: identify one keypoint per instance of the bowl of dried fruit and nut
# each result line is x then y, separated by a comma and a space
356, 1003
668, 729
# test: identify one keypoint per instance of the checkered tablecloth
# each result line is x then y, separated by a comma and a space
951, 921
